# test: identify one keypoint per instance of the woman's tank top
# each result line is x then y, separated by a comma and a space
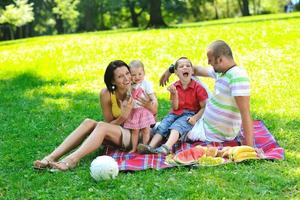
116, 110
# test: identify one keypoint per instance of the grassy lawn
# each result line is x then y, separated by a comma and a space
49, 84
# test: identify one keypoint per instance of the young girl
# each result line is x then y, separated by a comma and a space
140, 118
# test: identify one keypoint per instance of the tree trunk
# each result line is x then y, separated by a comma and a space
90, 16
227, 9
204, 10
244, 6
5, 32
216, 9
59, 24
11, 32
156, 20
245, 9
133, 14
258, 7
254, 6
101, 13
21, 32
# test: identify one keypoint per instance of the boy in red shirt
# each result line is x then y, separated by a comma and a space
188, 100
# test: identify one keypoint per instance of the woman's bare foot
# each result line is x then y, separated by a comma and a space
42, 164
63, 165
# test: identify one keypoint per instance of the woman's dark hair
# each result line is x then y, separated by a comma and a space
109, 73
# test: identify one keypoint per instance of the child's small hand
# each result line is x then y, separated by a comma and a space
126, 107
192, 120
172, 89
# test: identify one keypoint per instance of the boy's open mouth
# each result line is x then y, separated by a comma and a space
185, 74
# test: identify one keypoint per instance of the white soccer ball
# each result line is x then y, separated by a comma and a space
103, 168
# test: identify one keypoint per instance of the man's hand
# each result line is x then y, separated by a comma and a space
164, 79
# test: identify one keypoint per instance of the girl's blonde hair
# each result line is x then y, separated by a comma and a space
136, 64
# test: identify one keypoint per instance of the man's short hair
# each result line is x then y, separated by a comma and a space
220, 48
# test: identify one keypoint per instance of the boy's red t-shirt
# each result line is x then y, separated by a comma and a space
190, 98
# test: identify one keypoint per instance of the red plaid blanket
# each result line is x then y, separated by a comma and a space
264, 140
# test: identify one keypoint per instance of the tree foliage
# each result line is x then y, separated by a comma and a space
67, 11
36, 17
17, 14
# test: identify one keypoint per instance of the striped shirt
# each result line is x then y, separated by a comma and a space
222, 118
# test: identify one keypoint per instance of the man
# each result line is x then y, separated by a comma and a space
229, 106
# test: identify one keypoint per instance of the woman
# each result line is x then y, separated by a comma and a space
116, 105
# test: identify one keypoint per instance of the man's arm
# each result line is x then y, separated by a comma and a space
200, 71
243, 103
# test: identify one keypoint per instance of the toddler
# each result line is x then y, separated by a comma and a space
140, 118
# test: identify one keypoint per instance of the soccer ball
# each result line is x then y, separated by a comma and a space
104, 168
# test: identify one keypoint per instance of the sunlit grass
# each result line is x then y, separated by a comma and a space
50, 84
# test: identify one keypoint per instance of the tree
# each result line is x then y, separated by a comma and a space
132, 5
88, 15
156, 20
17, 15
244, 6
195, 8
65, 12
216, 9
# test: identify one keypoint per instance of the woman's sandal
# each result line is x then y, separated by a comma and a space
63, 165
42, 164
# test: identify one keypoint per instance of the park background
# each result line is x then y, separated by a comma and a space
49, 84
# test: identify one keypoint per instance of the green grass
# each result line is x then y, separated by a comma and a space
49, 84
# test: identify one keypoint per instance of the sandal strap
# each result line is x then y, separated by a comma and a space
166, 148
163, 149
68, 162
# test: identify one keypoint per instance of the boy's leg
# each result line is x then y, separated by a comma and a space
162, 130
166, 148
173, 138
157, 138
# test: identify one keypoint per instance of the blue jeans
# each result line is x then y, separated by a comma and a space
175, 122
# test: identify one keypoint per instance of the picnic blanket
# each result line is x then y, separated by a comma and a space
264, 141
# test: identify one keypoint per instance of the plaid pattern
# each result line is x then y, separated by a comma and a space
264, 140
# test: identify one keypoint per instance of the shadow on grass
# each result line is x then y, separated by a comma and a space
35, 118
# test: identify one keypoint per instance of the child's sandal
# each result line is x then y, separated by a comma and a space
163, 149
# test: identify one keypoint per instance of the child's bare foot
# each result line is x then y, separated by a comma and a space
132, 151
